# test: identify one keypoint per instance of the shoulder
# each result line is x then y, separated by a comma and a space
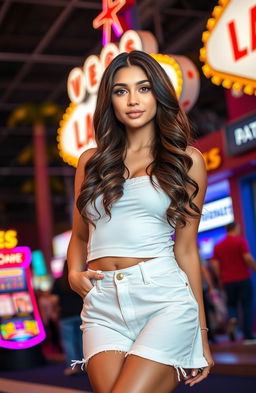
198, 168
85, 156
217, 250
196, 156
241, 240
224, 243
217, 246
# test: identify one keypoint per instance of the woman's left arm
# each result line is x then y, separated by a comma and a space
186, 254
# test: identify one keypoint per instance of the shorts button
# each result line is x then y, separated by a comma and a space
119, 276
186, 283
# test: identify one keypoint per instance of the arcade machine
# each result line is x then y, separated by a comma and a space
21, 327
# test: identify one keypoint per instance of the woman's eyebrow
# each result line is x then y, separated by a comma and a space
125, 84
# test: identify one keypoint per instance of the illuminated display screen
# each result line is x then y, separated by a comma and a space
17, 305
12, 280
20, 323
19, 330
216, 214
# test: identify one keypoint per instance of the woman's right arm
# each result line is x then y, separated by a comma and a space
77, 249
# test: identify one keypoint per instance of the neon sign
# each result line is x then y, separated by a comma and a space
241, 135
212, 159
216, 214
229, 51
108, 19
8, 239
76, 133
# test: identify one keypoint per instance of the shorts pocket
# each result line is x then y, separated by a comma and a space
89, 294
167, 279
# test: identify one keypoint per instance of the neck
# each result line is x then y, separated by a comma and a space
140, 139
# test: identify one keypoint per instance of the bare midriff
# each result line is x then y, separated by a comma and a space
115, 263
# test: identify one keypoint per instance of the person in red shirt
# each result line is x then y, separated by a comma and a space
232, 262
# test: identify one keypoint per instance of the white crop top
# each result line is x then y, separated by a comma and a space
138, 227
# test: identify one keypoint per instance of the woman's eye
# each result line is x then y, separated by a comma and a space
119, 92
145, 89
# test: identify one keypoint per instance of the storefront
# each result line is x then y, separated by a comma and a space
234, 160
230, 156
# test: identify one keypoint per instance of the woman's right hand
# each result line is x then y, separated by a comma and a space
80, 281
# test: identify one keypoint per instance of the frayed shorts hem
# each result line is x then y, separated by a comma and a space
146, 353
157, 356
104, 348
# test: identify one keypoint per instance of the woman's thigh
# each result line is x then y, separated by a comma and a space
140, 375
103, 370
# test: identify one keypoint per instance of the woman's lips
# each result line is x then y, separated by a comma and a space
135, 114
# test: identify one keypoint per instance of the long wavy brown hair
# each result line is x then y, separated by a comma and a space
104, 171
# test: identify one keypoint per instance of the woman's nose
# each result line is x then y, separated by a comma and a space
132, 98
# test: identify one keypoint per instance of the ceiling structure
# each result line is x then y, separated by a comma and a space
40, 42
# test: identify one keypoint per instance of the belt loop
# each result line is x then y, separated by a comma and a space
98, 282
144, 274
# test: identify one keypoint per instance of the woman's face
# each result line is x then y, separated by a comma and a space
132, 98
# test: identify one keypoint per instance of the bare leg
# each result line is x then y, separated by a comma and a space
103, 370
139, 375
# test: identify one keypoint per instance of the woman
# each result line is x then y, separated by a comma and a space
143, 321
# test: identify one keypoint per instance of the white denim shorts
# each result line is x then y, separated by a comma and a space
147, 310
